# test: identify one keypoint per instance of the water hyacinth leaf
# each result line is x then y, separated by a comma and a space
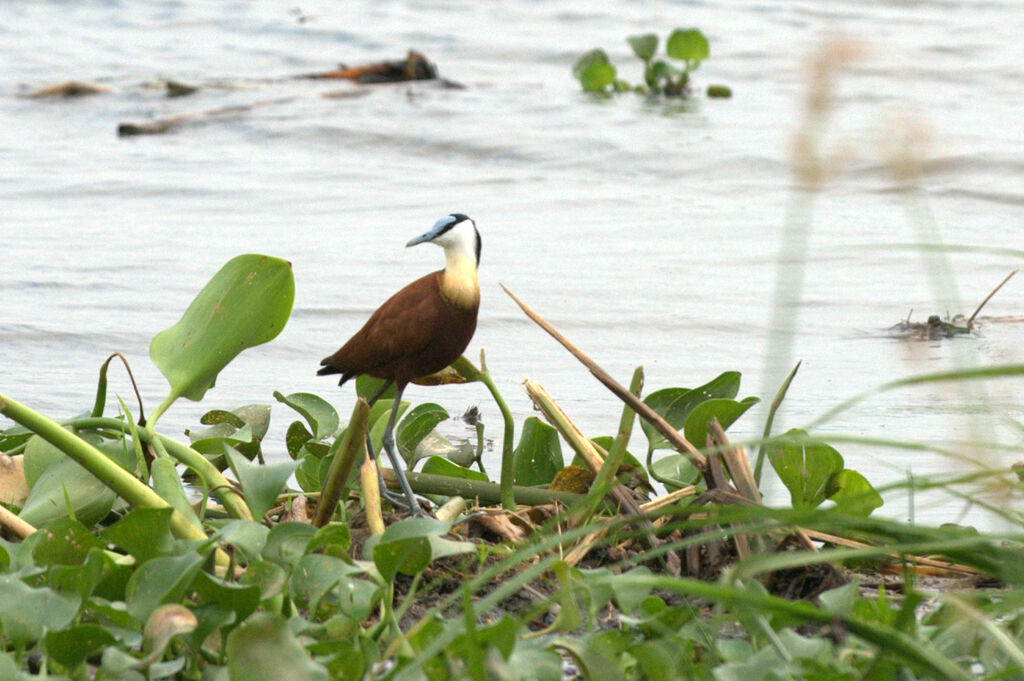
409, 545
416, 425
296, 437
71, 647
248, 536
261, 483
333, 539
143, 532
243, 599
675, 404
368, 386
594, 71
271, 578
26, 613
675, 467
853, 493
644, 46
215, 416
325, 584
723, 409
307, 474
64, 542
85, 578
67, 483
163, 625
689, 45
378, 419
245, 304
287, 542
262, 646
805, 466
538, 456
319, 414
160, 580
435, 465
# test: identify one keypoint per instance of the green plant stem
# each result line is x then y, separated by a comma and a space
162, 407
776, 403
616, 454
212, 478
352, 444
487, 492
107, 471
470, 372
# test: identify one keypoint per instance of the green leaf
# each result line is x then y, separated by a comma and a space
287, 542
71, 647
538, 456
25, 613
644, 46
64, 483
248, 536
676, 467
296, 437
64, 542
246, 303
160, 580
416, 425
243, 599
804, 465
409, 545
319, 414
143, 532
689, 45
167, 484
261, 483
723, 409
853, 493
597, 77
674, 404
594, 71
262, 646
436, 465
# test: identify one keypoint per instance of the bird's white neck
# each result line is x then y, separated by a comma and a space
459, 284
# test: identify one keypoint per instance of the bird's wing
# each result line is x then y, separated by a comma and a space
399, 329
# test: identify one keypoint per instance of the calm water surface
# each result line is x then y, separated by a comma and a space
648, 232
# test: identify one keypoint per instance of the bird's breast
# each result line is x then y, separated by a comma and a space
459, 287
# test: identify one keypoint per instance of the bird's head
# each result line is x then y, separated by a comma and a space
455, 233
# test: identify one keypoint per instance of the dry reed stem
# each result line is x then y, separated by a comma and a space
16, 525
645, 412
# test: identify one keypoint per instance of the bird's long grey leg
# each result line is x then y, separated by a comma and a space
395, 499
388, 442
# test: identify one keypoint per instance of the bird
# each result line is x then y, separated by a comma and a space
420, 330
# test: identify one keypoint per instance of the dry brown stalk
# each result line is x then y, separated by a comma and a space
645, 412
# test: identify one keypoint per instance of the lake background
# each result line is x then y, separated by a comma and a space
647, 231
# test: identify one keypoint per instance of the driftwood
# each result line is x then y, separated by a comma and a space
415, 66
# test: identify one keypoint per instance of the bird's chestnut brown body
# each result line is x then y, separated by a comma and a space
416, 332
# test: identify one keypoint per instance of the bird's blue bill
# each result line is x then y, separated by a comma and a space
439, 228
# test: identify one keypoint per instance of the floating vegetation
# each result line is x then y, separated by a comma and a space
685, 49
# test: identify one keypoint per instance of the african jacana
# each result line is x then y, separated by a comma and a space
421, 329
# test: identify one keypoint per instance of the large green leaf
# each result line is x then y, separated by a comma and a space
721, 408
675, 404
27, 613
805, 466
853, 493
263, 648
417, 424
245, 304
319, 414
644, 46
538, 457
261, 483
689, 45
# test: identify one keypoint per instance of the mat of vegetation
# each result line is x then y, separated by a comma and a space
129, 554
